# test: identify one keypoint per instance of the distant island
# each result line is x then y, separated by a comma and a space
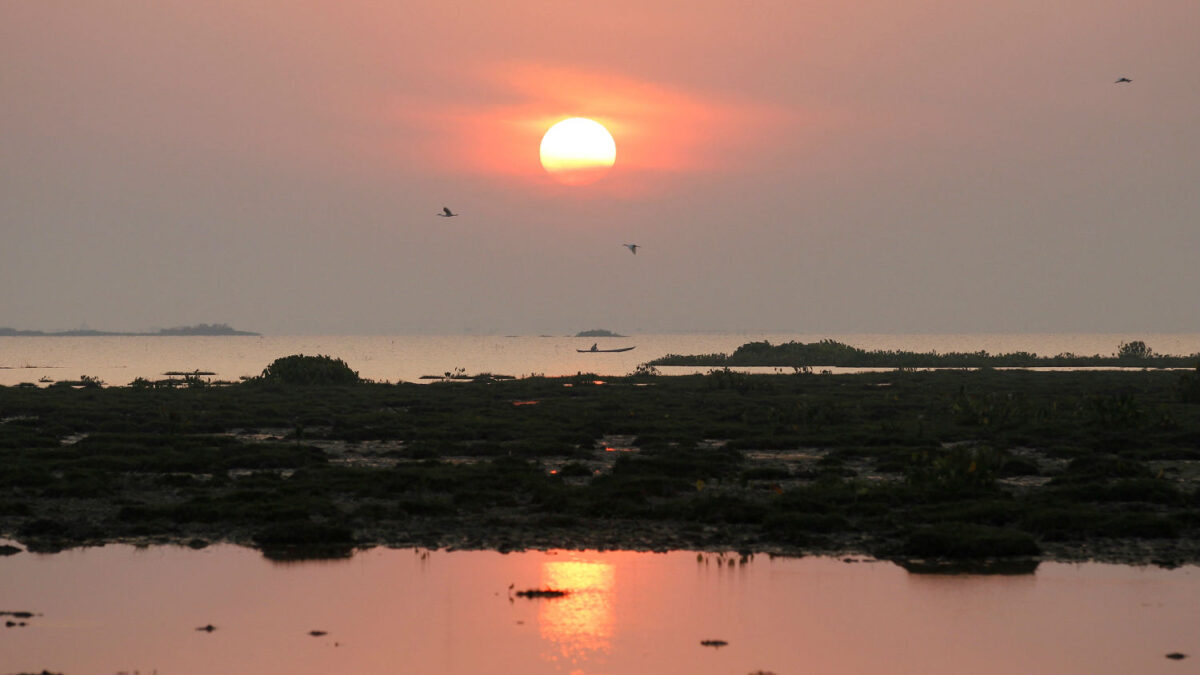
598, 333
830, 353
198, 329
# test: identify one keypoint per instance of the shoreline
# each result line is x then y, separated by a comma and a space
626, 537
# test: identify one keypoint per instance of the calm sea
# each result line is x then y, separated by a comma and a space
119, 360
118, 609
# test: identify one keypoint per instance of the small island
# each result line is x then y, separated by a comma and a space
598, 333
830, 353
204, 329
217, 329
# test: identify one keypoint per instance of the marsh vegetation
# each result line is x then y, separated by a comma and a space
309, 460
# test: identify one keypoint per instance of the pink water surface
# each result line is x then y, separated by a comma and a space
122, 609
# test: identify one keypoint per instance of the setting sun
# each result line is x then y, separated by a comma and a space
578, 151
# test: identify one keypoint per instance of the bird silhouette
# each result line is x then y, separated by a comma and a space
446, 212
632, 248
1123, 79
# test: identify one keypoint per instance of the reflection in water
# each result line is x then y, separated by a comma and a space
116, 608
581, 623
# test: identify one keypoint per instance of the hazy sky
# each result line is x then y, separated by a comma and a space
882, 166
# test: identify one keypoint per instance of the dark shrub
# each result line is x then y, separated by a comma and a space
1063, 523
962, 540
309, 370
43, 527
1134, 351
303, 533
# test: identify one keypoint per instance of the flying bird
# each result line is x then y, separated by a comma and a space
446, 212
632, 248
1123, 79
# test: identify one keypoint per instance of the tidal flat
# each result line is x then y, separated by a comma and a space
991, 469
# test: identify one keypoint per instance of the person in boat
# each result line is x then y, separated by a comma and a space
594, 346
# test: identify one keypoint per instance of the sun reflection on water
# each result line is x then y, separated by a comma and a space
581, 623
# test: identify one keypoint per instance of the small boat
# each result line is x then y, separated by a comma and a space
593, 350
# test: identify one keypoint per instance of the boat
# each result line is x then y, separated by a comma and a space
593, 350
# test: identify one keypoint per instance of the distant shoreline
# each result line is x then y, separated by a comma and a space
599, 332
831, 353
203, 329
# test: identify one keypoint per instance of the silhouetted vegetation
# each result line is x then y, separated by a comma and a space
310, 460
309, 370
830, 353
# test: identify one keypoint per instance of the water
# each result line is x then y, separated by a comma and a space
120, 609
119, 360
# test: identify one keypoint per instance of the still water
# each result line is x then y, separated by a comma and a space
122, 609
119, 360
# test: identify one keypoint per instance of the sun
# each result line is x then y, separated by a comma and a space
578, 151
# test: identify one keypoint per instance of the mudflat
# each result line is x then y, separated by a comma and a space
964, 465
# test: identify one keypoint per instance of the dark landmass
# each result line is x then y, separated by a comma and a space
204, 329
994, 469
598, 333
541, 593
198, 329
830, 353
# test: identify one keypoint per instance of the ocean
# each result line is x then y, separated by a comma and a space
118, 360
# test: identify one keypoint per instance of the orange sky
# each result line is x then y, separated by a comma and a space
926, 167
